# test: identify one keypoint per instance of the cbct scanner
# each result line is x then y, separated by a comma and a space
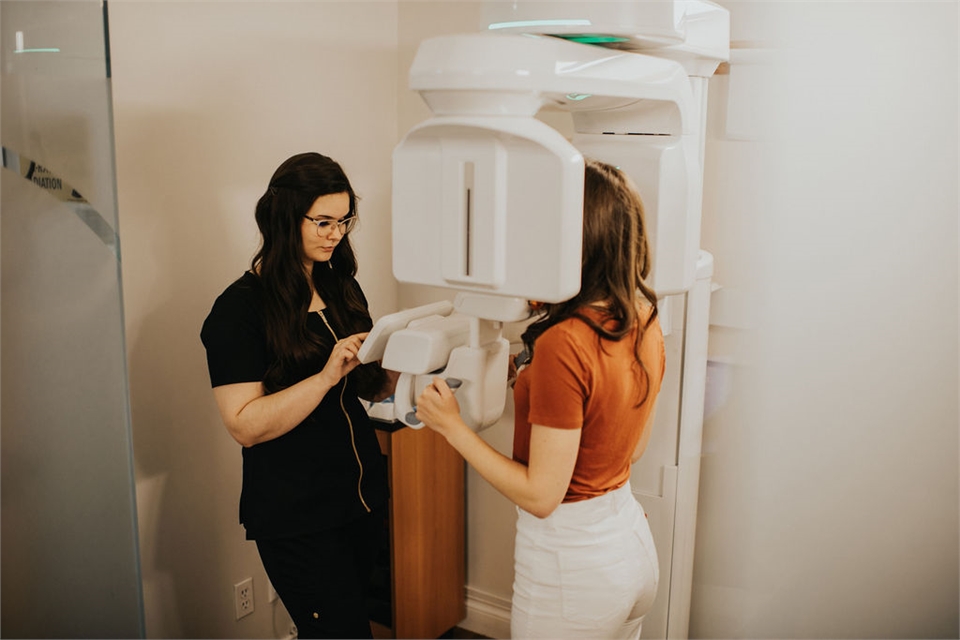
488, 200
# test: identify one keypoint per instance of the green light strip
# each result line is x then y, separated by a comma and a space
587, 38
47, 50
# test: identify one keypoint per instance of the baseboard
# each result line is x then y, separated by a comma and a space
487, 614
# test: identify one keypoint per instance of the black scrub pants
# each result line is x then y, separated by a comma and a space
322, 577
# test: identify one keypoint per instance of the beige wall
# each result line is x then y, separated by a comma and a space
829, 486
209, 98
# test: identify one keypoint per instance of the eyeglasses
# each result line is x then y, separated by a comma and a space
325, 226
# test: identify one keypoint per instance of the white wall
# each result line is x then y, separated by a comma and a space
209, 98
829, 500
829, 493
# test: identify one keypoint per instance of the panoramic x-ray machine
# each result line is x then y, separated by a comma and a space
488, 199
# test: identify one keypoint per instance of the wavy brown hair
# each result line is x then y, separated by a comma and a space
614, 265
293, 189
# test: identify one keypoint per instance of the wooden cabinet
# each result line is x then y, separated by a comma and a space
421, 581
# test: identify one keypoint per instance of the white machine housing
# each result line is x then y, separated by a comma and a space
487, 199
487, 202
484, 154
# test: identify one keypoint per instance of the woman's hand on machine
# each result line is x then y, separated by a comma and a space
437, 406
343, 358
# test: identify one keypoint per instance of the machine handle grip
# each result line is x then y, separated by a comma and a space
411, 420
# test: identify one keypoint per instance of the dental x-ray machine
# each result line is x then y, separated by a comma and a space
488, 199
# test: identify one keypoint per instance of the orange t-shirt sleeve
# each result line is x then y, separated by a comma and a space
559, 380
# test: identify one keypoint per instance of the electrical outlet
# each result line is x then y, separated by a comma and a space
243, 597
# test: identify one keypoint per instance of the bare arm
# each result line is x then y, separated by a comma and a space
537, 487
252, 416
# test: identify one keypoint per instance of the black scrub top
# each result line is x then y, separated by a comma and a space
324, 472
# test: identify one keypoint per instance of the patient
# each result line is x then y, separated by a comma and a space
585, 562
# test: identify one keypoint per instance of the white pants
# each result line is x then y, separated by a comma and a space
588, 570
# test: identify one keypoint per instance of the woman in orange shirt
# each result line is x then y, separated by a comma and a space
585, 564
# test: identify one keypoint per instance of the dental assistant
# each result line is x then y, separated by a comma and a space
281, 344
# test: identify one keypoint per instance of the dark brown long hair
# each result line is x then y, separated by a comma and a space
614, 265
293, 189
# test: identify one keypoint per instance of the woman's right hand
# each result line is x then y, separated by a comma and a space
343, 358
253, 416
438, 409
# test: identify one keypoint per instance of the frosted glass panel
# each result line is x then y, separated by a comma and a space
68, 541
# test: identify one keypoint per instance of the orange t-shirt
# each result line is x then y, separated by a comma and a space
579, 380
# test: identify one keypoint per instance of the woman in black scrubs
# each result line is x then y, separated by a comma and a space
281, 345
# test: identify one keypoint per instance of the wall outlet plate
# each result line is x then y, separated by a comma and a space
243, 597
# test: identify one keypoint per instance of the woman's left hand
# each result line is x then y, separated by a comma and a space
438, 408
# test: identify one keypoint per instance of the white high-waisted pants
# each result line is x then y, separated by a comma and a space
588, 570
